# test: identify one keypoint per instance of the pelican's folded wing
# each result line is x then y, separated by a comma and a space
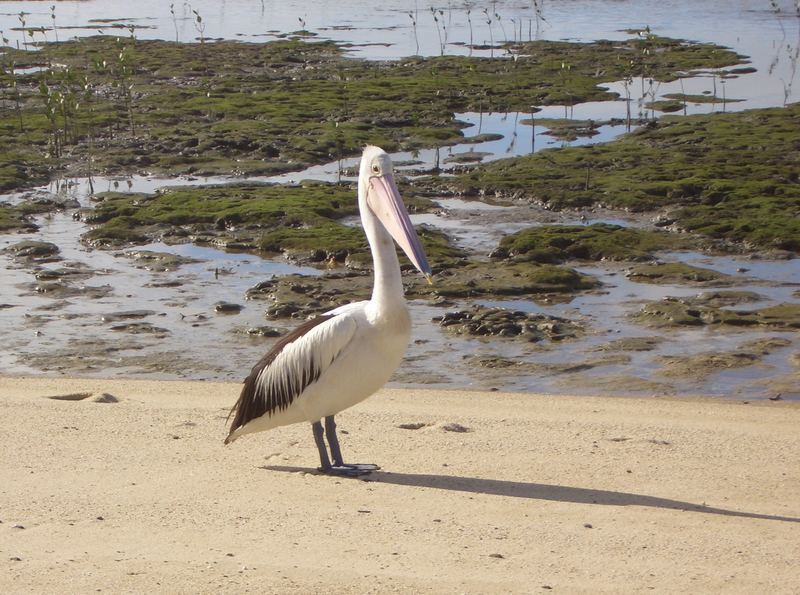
296, 361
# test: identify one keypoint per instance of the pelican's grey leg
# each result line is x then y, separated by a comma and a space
324, 462
333, 441
339, 466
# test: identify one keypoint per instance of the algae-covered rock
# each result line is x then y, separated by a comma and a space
509, 279
158, 261
692, 312
700, 366
599, 241
631, 344
14, 218
301, 296
672, 273
35, 250
486, 322
550, 369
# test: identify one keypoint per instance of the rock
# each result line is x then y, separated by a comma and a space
126, 315
227, 308
139, 328
468, 157
33, 250
282, 311
70, 397
631, 344
158, 261
62, 290
454, 427
263, 331
82, 396
412, 426
508, 324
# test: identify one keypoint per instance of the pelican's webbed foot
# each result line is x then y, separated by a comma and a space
337, 467
349, 470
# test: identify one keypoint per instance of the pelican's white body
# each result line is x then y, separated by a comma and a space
367, 347
358, 349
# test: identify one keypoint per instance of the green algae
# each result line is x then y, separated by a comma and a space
729, 177
304, 222
229, 107
475, 279
11, 219
18, 217
256, 214
599, 241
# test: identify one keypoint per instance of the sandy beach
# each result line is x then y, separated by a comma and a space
491, 493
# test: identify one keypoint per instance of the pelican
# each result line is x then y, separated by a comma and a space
341, 357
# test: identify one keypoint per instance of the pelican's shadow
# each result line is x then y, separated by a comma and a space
539, 491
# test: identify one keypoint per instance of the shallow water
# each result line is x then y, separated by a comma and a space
607, 311
197, 343
387, 31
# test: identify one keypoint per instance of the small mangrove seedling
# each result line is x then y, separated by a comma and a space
23, 28
565, 83
201, 30
174, 20
121, 71
51, 99
53, 18
469, 21
444, 30
438, 30
538, 13
491, 35
500, 22
414, 26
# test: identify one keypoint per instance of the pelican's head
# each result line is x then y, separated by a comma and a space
377, 186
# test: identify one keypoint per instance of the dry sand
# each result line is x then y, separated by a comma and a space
542, 494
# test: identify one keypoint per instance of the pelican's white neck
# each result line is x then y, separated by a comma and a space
385, 221
387, 290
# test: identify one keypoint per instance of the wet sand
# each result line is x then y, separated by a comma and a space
540, 494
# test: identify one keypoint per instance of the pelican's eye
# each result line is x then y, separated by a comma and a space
376, 169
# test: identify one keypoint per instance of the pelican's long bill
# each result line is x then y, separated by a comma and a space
384, 201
